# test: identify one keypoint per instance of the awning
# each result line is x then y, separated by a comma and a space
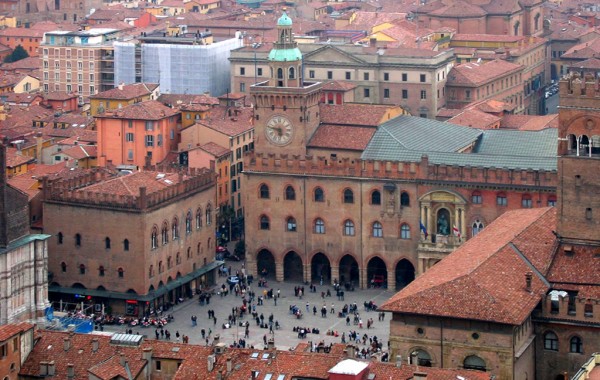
133, 296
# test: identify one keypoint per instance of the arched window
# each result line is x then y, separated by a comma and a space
208, 215
291, 224
264, 191
576, 345
78, 240
349, 228
474, 362
319, 226
107, 243
154, 238
198, 218
188, 222
280, 73
151, 271
404, 199
290, 193
125, 245
63, 267
101, 271
189, 253
165, 233
199, 249
501, 199
175, 228
375, 197
161, 267
477, 226
264, 222
476, 197
121, 272
377, 230
169, 262
422, 357
526, 201
82, 269
178, 258
348, 196
550, 341
404, 231
60, 238
291, 73
319, 195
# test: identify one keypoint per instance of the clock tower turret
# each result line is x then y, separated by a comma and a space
286, 107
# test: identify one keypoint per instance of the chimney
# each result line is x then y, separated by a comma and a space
95, 345
39, 146
229, 364
43, 368
70, 371
399, 361
51, 368
351, 351
254, 375
122, 359
528, 277
211, 362
414, 359
219, 376
271, 344
121, 85
216, 339
419, 375
66, 343
147, 354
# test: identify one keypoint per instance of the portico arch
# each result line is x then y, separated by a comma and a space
293, 267
349, 272
405, 273
320, 268
265, 264
377, 272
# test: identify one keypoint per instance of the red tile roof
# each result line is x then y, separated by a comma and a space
175, 99
477, 74
130, 184
8, 331
581, 267
21, 32
25, 64
475, 119
60, 95
338, 85
353, 114
14, 158
220, 120
127, 92
79, 152
484, 279
215, 149
529, 122
148, 110
342, 137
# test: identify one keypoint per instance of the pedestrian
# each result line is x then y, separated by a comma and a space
348, 320
157, 334
203, 333
315, 310
278, 293
215, 319
265, 339
332, 309
307, 307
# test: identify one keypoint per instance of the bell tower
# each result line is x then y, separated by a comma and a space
286, 108
579, 159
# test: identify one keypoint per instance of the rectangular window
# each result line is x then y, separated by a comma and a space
92, 90
330, 75
501, 200
149, 126
422, 78
238, 153
91, 77
80, 65
404, 77
348, 75
130, 154
259, 72
80, 77
158, 365
367, 93
149, 140
242, 87
311, 74
423, 94
69, 88
57, 77
468, 94
366, 76
242, 71
386, 76
159, 140
404, 94
129, 137
386, 93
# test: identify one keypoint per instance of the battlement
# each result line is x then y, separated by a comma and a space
393, 170
575, 91
73, 190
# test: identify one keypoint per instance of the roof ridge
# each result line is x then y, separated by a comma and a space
383, 127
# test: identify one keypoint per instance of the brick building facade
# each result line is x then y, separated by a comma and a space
152, 241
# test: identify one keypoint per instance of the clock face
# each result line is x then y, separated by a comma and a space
279, 130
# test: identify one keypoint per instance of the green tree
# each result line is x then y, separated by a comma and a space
18, 54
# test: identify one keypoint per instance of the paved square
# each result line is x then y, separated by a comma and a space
285, 337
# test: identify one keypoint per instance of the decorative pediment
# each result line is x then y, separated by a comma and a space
332, 53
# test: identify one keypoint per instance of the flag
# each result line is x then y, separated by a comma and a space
456, 231
423, 229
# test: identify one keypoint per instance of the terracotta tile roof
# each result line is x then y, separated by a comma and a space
25, 183
112, 368
8, 331
459, 8
13, 158
215, 149
584, 50
173, 99
21, 32
342, 137
448, 112
581, 267
353, 114
60, 95
148, 110
475, 119
338, 85
11, 78
79, 152
26, 64
126, 92
23, 99
494, 106
487, 37
503, 7
219, 120
114, 14
484, 279
529, 122
130, 184
477, 74
367, 20
592, 63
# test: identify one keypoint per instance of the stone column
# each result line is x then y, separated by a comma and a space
391, 280
463, 225
363, 278
430, 231
251, 266
307, 273
335, 273
279, 271
420, 265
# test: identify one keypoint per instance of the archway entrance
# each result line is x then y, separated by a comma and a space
320, 268
292, 267
405, 273
377, 273
349, 273
265, 264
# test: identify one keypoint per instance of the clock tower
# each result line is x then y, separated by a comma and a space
286, 108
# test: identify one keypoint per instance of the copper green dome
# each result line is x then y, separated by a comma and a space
284, 20
282, 55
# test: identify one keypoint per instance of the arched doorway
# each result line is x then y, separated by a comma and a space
349, 273
292, 267
405, 273
376, 273
320, 268
265, 264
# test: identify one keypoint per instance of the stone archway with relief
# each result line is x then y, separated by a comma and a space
443, 226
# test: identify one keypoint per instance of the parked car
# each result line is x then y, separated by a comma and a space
233, 280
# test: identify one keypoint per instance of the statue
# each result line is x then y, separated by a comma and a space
442, 225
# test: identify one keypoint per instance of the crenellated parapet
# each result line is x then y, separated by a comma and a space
78, 189
399, 171
577, 91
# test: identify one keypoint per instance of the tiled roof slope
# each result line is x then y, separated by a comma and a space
220, 121
353, 114
517, 143
128, 91
402, 139
148, 110
342, 137
484, 279
130, 184
8, 331
476, 74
